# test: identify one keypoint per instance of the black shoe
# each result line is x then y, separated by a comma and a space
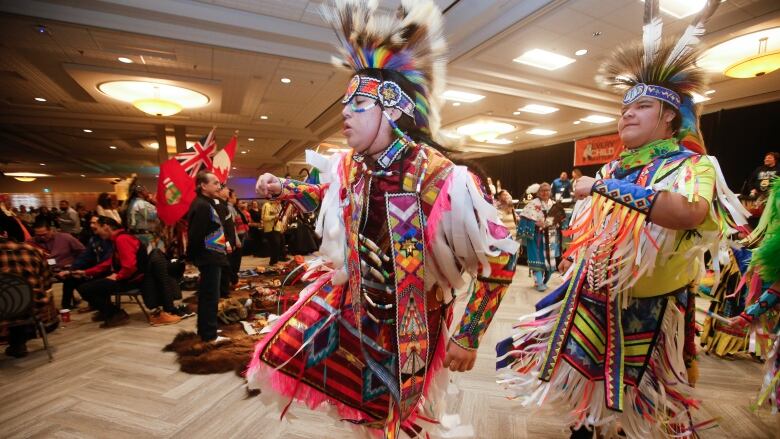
581, 433
98, 317
16, 351
117, 319
182, 311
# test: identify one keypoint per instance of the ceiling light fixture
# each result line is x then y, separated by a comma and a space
746, 56
709, 92
456, 104
538, 109
542, 132
243, 152
86, 130
681, 8
577, 122
543, 59
26, 176
597, 118
154, 98
264, 117
112, 147
251, 139
83, 175
758, 65
286, 80
40, 99
485, 130
42, 164
125, 60
516, 113
462, 96
498, 141
581, 52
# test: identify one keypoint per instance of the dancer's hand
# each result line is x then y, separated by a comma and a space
564, 265
459, 359
268, 185
738, 322
583, 187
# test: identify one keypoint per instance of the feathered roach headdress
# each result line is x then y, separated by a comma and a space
663, 69
409, 43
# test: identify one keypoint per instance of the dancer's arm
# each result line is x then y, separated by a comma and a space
767, 301
305, 196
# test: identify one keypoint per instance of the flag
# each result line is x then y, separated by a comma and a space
223, 159
175, 191
199, 157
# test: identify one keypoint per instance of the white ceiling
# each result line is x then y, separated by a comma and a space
237, 51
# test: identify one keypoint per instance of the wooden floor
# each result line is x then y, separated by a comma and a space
117, 383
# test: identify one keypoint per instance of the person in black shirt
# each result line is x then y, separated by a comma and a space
229, 225
207, 249
757, 185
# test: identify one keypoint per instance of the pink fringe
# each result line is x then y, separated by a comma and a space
441, 206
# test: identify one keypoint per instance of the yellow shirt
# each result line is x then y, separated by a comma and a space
271, 212
677, 270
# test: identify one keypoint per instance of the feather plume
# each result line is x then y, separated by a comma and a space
652, 31
409, 42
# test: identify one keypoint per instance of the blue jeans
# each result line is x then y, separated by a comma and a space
208, 301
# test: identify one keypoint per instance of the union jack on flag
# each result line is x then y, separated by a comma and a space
199, 157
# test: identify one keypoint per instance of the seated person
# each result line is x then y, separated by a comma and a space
123, 272
29, 262
61, 248
97, 251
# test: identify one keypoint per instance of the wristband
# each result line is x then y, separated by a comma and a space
628, 194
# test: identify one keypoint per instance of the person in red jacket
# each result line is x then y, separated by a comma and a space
126, 268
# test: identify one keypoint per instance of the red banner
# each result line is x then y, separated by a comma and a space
597, 150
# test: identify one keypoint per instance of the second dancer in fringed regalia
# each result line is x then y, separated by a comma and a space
401, 224
613, 347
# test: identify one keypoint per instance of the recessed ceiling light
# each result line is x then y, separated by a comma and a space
234, 167
699, 98
538, 109
461, 96
516, 113
597, 118
243, 152
286, 80
86, 130
681, 8
251, 139
456, 104
125, 60
42, 164
112, 147
581, 52
40, 99
541, 132
709, 92
264, 117
544, 59
577, 122
83, 175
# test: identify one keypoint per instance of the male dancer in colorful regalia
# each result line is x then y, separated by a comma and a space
401, 224
613, 347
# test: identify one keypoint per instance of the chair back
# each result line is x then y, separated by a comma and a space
16, 297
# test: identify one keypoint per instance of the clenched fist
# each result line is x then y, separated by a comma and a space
268, 185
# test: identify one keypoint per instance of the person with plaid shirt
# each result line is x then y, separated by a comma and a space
28, 262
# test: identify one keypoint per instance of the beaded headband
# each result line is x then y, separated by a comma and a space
388, 93
652, 91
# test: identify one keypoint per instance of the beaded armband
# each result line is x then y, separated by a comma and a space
484, 301
628, 194
305, 196
767, 301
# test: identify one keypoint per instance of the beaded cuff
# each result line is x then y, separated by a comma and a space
628, 194
305, 196
767, 301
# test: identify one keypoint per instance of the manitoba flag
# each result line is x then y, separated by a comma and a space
175, 192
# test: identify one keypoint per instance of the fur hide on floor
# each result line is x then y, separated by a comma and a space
196, 357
